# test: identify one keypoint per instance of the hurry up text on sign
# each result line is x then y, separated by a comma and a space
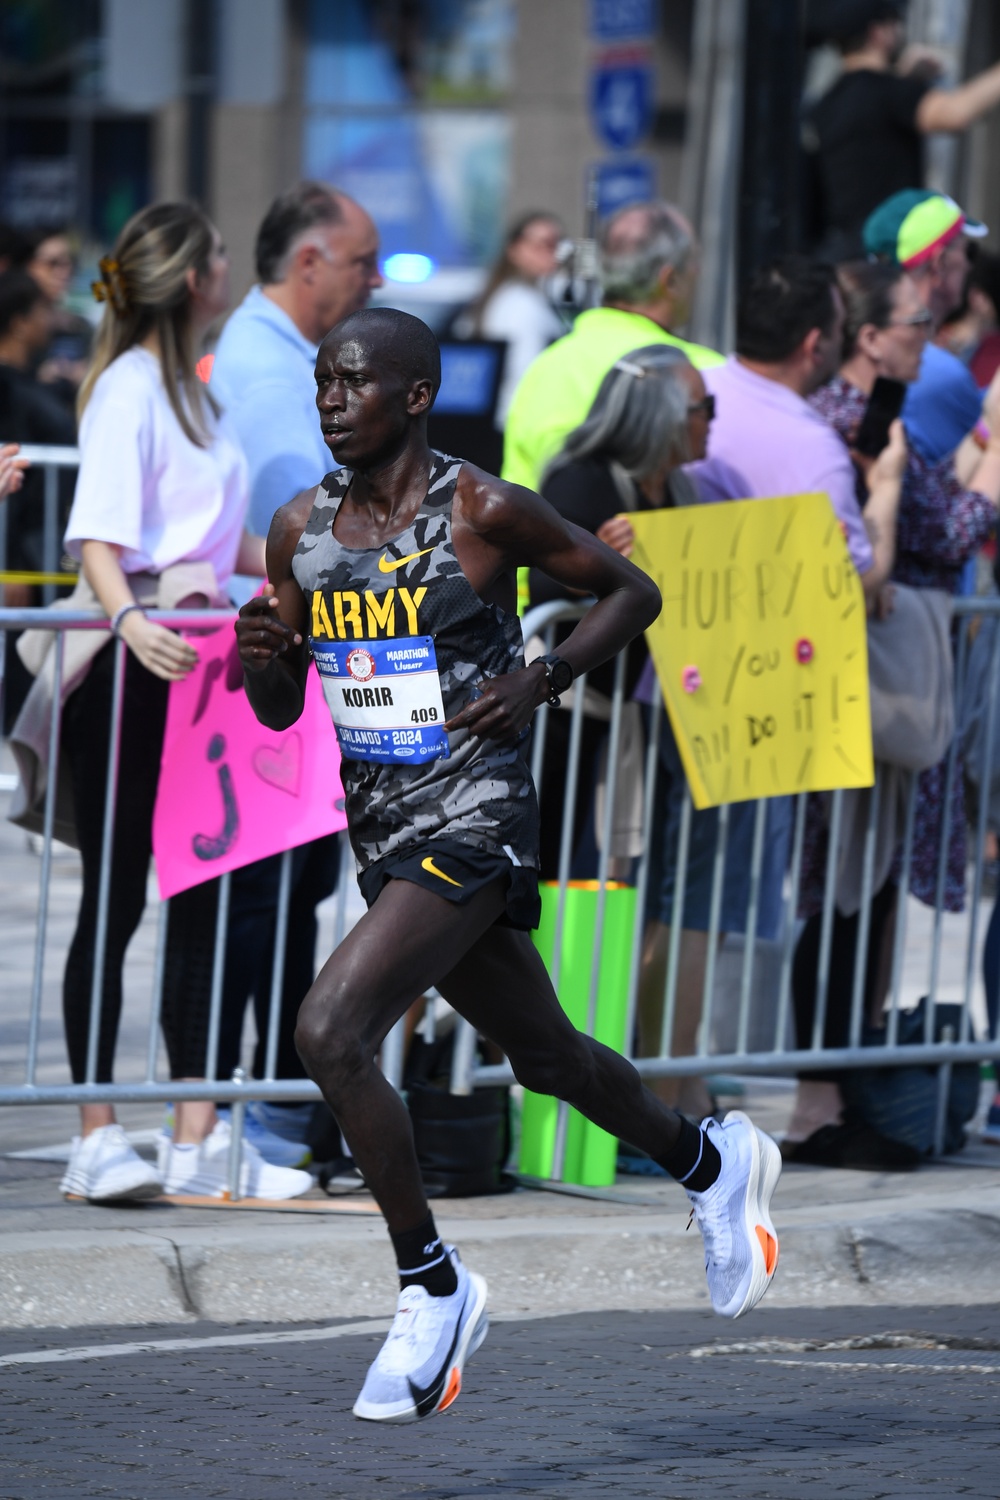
760, 648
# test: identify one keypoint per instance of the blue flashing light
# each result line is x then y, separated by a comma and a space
412, 268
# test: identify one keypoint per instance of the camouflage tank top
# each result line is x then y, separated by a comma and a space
401, 639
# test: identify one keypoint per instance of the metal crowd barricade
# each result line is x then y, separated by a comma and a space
741, 1056
52, 461
779, 1057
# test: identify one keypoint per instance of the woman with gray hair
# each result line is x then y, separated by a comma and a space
650, 415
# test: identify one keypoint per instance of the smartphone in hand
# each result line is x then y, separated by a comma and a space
884, 405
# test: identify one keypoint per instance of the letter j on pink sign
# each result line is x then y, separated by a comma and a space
231, 791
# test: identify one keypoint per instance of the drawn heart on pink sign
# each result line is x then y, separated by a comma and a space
281, 765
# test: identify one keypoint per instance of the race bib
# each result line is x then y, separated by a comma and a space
384, 698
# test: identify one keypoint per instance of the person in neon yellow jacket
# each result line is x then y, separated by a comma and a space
649, 266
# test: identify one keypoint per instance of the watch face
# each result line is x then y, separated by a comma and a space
561, 676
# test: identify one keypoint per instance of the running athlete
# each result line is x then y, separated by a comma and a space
396, 576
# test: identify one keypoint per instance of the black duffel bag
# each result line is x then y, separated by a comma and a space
462, 1140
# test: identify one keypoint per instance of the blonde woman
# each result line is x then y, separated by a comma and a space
157, 521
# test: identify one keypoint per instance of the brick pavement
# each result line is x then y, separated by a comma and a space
565, 1408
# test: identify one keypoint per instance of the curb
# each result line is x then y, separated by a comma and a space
342, 1268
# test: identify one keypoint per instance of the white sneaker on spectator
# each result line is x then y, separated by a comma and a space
275, 1149
202, 1171
104, 1168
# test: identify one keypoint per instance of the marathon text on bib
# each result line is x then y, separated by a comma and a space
384, 697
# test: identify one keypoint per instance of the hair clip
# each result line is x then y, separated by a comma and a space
627, 368
111, 287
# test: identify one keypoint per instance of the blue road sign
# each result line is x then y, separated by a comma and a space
621, 103
622, 181
614, 20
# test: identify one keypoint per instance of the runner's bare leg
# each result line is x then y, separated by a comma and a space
500, 984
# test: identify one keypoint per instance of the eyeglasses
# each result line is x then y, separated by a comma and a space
705, 408
915, 320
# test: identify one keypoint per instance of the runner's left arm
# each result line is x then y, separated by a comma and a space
522, 530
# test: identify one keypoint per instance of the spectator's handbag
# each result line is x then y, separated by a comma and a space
902, 1102
912, 679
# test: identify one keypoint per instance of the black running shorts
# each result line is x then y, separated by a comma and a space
457, 871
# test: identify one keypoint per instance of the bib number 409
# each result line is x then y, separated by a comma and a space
424, 716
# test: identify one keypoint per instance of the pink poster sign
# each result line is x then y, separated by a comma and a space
232, 791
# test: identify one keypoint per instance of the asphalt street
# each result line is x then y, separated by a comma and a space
902, 1402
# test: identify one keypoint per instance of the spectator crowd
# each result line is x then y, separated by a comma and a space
181, 473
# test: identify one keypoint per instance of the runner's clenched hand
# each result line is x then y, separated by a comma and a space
261, 634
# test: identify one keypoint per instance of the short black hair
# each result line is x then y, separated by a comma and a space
399, 338
300, 208
846, 23
19, 293
780, 304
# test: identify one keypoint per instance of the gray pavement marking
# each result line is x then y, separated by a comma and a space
216, 1341
912, 1367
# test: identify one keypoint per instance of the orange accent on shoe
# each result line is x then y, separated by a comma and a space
454, 1386
769, 1245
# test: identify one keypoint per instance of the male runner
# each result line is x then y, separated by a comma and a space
397, 575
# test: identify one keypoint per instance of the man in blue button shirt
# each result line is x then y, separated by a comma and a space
317, 260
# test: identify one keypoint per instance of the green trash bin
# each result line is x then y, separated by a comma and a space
591, 1153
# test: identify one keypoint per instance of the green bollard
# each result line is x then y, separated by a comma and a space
591, 1153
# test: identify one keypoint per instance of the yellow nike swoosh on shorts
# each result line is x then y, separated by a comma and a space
387, 564
432, 869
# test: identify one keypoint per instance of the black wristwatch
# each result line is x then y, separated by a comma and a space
559, 674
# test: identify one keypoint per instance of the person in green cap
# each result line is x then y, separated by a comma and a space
649, 267
927, 234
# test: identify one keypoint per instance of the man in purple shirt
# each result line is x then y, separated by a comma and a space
766, 440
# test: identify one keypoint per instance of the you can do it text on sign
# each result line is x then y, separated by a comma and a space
760, 648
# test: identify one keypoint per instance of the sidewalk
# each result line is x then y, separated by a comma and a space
847, 1238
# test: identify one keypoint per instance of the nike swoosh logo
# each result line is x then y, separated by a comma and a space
387, 564
432, 869
426, 1398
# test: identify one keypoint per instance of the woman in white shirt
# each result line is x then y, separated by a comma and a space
157, 521
513, 306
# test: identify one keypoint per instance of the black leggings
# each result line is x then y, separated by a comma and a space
191, 929
843, 947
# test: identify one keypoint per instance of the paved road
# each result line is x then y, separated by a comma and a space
564, 1408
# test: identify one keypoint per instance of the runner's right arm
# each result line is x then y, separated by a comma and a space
272, 628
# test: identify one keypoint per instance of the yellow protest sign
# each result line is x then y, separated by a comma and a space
760, 648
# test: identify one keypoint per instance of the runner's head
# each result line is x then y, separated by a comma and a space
377, 374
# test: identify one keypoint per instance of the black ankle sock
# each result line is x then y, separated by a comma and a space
423, 1260
692, 1160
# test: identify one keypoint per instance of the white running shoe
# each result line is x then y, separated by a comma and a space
203, 1171
741, 1246
104, 1169
418, 1370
